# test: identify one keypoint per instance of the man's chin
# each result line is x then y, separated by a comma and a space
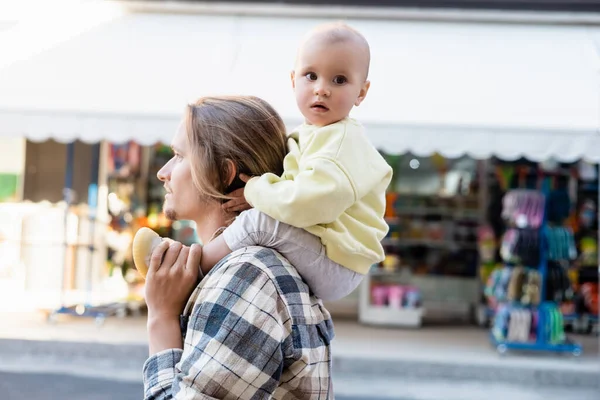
170, 213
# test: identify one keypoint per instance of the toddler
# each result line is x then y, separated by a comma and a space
325, 213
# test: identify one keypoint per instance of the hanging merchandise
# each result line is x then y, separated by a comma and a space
531, 292
515, 285
519, 325
558, 206
589, 251
521, 246
496, 289
124, 159
561, 244
587, 214
558, 284
589, 293
515, 324
523, 208
528, 317
554, 325
504, 175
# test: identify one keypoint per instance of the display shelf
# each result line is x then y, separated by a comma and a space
567, 346
582, 323
385, 315
401, 242
427, 211
388, 316
545, 340
444, 297
588, 317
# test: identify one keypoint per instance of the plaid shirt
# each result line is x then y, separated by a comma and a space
254, 333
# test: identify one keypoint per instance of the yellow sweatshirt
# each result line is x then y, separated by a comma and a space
333, 186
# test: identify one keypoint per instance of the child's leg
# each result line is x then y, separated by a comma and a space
327, 279
212, 253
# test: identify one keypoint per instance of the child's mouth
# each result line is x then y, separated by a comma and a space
319, 107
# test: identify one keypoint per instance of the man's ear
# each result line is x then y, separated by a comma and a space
233, 181
363, 93
231, 172
293, 78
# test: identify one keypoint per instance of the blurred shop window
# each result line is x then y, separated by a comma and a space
45, 169
434, 175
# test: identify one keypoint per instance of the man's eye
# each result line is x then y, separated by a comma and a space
340, 80
311, 76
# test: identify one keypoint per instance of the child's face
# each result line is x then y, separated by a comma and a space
329, 79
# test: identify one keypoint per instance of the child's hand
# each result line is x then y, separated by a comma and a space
238, 203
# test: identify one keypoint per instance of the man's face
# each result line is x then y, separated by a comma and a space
182, 200
328, 80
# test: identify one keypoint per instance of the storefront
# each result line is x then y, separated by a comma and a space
449, 103
68, 224
473, 240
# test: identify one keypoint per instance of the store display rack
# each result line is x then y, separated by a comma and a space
542, 340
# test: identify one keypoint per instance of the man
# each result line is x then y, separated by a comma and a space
251, 328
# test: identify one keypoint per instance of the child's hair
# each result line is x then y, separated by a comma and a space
339, 32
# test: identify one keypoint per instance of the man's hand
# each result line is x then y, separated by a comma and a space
172, 276
238, 203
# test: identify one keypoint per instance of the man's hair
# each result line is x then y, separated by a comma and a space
245, 130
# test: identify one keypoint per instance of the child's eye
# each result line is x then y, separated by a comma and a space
311, 76
340, 80
177, 157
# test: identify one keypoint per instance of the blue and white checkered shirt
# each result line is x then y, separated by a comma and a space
254, 332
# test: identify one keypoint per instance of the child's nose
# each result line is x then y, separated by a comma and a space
321, 90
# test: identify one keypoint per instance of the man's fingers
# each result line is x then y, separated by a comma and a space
172, 253
157, 256
193, 260
181, 261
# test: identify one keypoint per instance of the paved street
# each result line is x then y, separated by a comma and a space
15, 386
45, 386
18, 386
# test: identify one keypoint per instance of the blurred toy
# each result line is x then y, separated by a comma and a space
144, 242
395, 296
486, 243
379, 295
590, 296
413, 297
515, 286
589, 251
531, 289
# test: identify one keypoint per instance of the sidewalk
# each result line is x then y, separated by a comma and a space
432, 352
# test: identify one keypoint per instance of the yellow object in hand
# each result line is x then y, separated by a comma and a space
144, 242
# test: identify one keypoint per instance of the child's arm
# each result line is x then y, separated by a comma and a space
317, 195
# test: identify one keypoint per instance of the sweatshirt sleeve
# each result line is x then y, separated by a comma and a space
319, 194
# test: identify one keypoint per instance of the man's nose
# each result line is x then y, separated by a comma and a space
164, 173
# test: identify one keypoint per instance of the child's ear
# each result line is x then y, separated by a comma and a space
363, 93
293, 78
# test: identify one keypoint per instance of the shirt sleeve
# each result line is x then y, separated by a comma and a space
233, 343
319, 194
159, 372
